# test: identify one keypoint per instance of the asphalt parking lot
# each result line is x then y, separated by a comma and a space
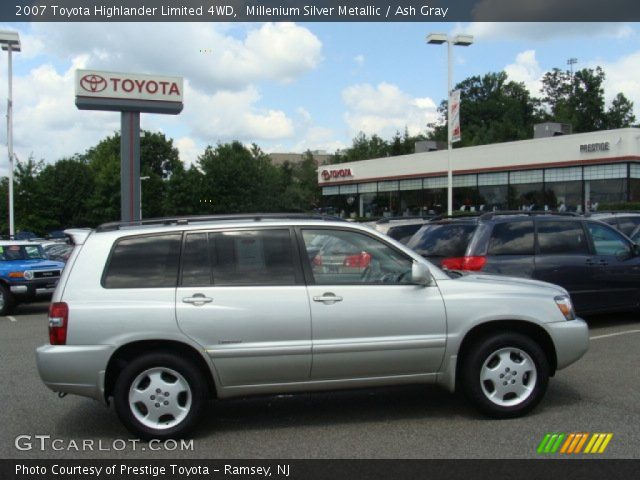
598, 394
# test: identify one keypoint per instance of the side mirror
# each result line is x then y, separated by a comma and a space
420, 274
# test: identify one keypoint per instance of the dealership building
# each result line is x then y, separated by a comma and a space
555, 171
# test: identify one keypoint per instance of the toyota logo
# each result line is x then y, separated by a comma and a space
93, 83
326, 175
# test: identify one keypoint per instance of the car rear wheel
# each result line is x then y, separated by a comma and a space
160, 395
505, 375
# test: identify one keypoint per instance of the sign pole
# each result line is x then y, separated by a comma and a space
130, 94
130, 166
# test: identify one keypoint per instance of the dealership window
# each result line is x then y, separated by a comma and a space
600, 172
411, 202
326, 191
563, 196
465, 198
634, 190
348, 189
599, 192
465, 192
526, 196
634, 182
435, 200
563, 174
435, 182
525, 177
492, 191
387, 204
371, 187
492, 197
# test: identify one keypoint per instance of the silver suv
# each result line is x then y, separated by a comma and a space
162, 316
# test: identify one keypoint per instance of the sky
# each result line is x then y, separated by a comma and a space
287, 87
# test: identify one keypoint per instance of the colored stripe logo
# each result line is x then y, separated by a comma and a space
573, 443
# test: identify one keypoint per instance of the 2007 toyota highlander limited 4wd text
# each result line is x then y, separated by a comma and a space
159, 317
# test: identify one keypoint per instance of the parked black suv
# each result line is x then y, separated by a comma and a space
599, 266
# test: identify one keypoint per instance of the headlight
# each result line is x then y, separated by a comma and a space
566, 307
28, 275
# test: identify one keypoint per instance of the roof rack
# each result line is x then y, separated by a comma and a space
490, 215
611, 212
409, 217
456, 216
256, 217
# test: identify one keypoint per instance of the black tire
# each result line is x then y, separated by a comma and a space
7, 300
512, 394
167, 364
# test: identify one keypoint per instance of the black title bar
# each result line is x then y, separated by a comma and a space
590, 469
319, 11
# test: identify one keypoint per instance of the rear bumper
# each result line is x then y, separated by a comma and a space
571, 339
76, 369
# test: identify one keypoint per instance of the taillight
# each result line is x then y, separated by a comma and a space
359, 260
473, 264
58, 322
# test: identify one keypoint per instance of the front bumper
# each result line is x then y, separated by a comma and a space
571, 339
77, 369
34, 288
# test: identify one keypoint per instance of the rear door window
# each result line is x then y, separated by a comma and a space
149, 261
512, 238
242, 257
561, 237
443, 240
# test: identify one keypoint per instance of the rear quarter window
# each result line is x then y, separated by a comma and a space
512, 238
144, 262
403, 233
443, 240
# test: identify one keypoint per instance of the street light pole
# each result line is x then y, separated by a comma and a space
449, 131
10, 141
463, 41
10, 42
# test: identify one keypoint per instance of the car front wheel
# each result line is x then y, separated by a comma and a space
160, 395
7, 300
505, 375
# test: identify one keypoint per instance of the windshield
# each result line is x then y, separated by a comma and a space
21, 252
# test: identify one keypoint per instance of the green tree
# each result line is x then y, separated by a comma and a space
239, 179
159, 161
578, 100
30, 204
64, 189
492, 110
620, 113
300, 180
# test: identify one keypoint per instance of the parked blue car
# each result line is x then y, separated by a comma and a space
26, 274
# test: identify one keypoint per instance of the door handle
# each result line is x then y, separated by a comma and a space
590, 262
603, 263
197, 299
328, 298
